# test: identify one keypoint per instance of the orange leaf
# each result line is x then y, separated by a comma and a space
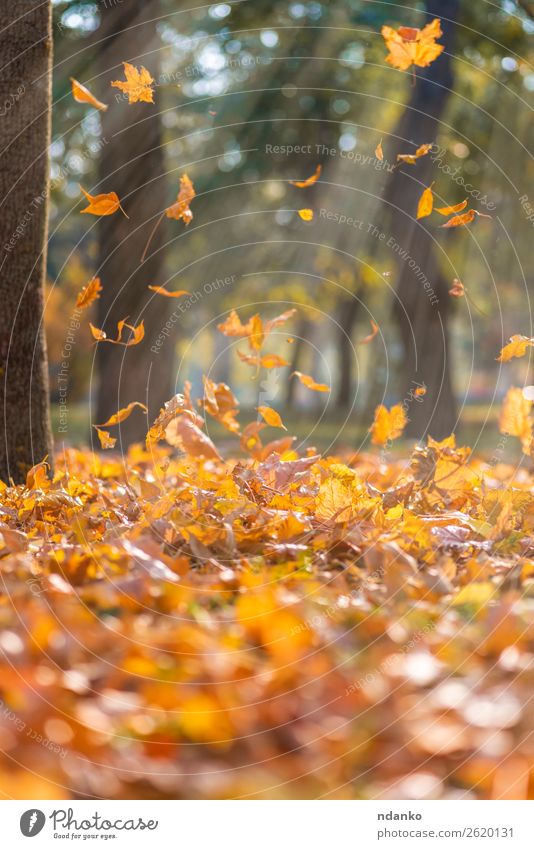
411, 158
367, 339
104, 204
123, 414
138, 334
99, 335
303, 184
306, 214
180, 209
388, 424
138, 85
89, 294
310, 383
271, 417
458, 289
517, 347
426, 203
449, 210
82, 95
410, 46
184, 433
106, 440
220, 402
515, 418
272, 361
379, 153
161, 290
461, 220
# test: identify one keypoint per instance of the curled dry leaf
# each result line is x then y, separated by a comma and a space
410, 46
138, 84
303, 184
81, 94
379, 152
123, 414
426, 203
310, 383
180, 209
450, 210
271, 417
106, 440
367, 339
220, 402
89, 294
103, 204
184, 432
516, 347
161, 290
306, 214
411, 158
138, 334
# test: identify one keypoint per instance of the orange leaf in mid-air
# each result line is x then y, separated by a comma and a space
272, 361
310, 383
123, 414
410, 46
106, 440
426, 203
138, 334
411, 158
104, 204
461, 220
388, 424
367, 339
81, 94
306, 214
450, 210
420, 391
161, 290
271, 417
458, 289
303, 184
220, 402
517, 347
515, 418
379, 153
180, 209
138, 84
89, 294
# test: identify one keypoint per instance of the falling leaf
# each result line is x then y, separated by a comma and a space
138, 334
180, 209
303, 184
379, 153
458, 289
461, 220
161, 290
420, 391
183, 432
449, 210
410, 46
516, 347
138, 84
310, 383
82, 95
271, 417
306, 214
220, 402
411, 158
89, 294
123, 414
426, 203
374, 331
104, 204
106, 440
388, 424
515, 418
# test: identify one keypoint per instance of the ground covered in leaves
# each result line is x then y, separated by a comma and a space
178, 625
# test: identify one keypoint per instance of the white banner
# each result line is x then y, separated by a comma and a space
269, 824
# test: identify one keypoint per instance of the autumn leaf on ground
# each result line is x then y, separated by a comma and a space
89, 294
123, 414
303, 184
379, 152
81, 94
426, 203
138, 334
388, 424
306, 214
450, 210
515, 418
410, 46
103, 204
138, 84
516, 347
310, 383
411, 158
271, 417
161, 290
367, 339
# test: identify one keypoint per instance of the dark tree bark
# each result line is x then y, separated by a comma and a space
423, 320
348, 315
132, 164
25, 103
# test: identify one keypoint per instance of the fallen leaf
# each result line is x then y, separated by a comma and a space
106, 440
461, 220
138, 334
306, 214
82, 95
89, 294
103, 204
367, 339
449, 210
388, 424
516, 347
379, 153
138, 84
410, 46
411, 158
161, 290
271, 417
180, 209
426, 203
123, 414
458, 289
303, 184
515, 418
310, 383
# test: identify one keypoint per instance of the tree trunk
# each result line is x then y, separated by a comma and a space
422, 305
132, 164
347, 319
25, 104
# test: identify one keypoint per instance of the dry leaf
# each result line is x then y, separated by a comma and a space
515, 418
106, 440
123, 414
310, 383
89, 294
104, 204
516, 347
180, 209
379, 152
411, 158
410, 46
82, 95
426, 203
306, 214
161, 290
449, 210
138, 334
138, 84
461, 220
367, 339
271, 417
388, 424
303, 184
458, 289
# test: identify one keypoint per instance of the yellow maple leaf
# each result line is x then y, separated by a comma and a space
515, 418
411, 46
388, 424
138, 84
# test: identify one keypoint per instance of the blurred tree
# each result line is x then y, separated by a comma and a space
25, 98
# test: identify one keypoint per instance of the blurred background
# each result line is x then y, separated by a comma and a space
248, 96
